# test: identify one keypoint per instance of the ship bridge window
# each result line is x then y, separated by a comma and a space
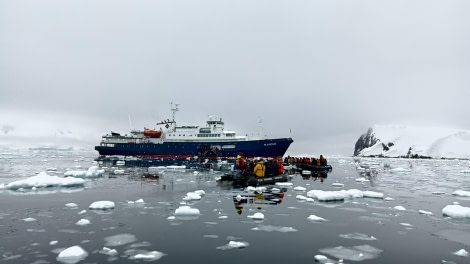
204, 130
230, 134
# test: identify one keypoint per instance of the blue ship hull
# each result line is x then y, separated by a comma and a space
275, 148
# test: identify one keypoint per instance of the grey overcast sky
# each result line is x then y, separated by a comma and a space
321, 72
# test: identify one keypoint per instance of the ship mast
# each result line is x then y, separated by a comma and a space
174, 109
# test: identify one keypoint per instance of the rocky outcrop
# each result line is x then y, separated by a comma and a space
366, 140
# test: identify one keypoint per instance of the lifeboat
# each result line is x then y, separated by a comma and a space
152, 133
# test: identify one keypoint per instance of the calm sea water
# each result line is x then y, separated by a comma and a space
363, 230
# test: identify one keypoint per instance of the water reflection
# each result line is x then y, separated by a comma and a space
260, 197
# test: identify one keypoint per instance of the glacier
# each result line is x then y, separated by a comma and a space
414, 142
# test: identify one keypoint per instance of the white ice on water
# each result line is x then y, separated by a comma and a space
101, 205
234, 244
256, 216
92, 172
43, 180
72, 255
456, 211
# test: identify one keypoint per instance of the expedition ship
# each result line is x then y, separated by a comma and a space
172, 141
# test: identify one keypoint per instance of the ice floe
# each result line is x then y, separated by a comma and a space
108, 251
399, 208
187, 212
43, 180
119, 239
355, 253
234, 244
461, 193
194, 196
342, 194
256, 216
456, 211
83, 222
462, 252
358, 236
425, 212
101, 205
147, 255
72, 255
314, 218
92, 172
271, 228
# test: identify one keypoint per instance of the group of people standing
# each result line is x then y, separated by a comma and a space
260, 167
321, 161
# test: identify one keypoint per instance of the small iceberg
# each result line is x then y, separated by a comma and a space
101, 205
256, 216
456, 211
72, 255
43, 180
314, 218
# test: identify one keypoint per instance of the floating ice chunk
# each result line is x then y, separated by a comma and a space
234, 244
456, 211
108, 251
223, 217
284, 183
300, 188
43, 180
325, 195
29, 219
358, 236
438, 193
320, 258
389, 199
300, 197
83, 222
425, 212
148, 256
371, 194
140, 201
119, 240
462, 253
337, 184
356, 253
196, 195
461, 193
315, 218
92, 172
256, 216
71, 205
72, 255
54, 242
399, 208
172, 217
101, 205
406, 224
270, 228
82, 212
352, 193
186, 211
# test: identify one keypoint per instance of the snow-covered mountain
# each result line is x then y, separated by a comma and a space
414, 141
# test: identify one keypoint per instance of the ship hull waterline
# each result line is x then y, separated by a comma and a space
275, 148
